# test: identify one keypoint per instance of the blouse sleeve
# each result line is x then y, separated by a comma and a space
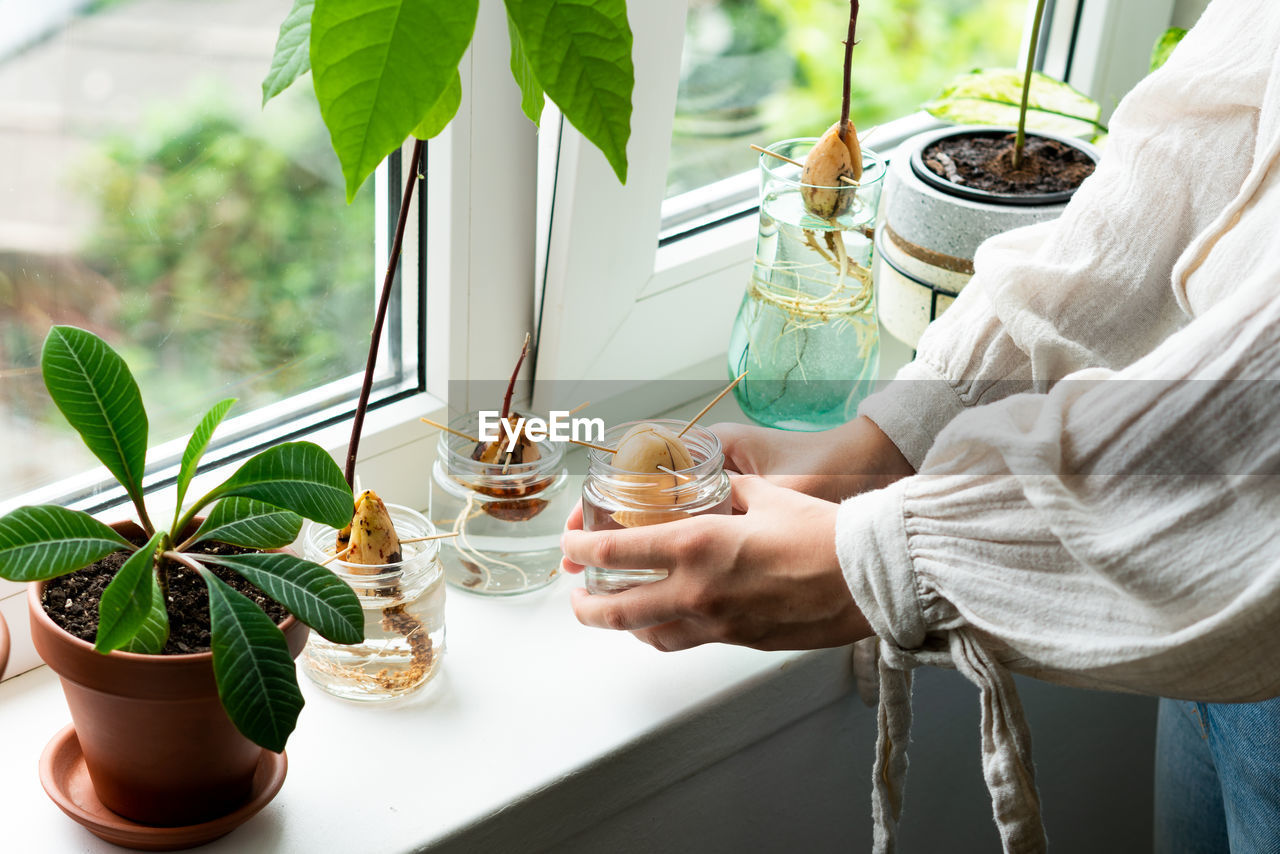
1092, 288
1118, 532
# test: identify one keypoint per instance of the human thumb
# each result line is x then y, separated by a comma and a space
751, 489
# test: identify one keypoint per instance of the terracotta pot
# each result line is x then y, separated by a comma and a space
929, 229
158, 745
4, 645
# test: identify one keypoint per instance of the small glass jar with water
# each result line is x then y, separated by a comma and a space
614, 498
403, 606
508, 518
806, 330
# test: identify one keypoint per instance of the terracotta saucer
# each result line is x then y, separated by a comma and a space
66, 780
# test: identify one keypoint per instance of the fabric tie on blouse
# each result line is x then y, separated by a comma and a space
1006, 741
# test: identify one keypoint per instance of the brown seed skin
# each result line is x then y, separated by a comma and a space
373, 536
641, 450
825, 195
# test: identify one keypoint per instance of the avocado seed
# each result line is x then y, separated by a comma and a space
641, 450
829, 162
370, 539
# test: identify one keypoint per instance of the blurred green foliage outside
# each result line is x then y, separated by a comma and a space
239, 268
764, 70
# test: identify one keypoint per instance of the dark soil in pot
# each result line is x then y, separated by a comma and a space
985, 162
72, 600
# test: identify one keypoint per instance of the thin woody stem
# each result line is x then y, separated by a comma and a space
366, 388
848, 69
1020, 140
511, 386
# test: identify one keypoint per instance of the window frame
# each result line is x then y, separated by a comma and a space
674, 279
450, 277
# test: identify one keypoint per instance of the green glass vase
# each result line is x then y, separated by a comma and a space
806, 332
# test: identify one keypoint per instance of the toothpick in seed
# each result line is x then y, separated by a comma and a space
335, 556
713, 402
432, 537
594, 447
439, 426
783, 157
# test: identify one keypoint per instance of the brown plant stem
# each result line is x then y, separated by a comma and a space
1020, 140
848, 70
511, 386
366, 387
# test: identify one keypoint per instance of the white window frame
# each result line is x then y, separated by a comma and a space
470, 239
624, 302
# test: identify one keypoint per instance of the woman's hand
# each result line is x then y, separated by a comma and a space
768, 578
832, 465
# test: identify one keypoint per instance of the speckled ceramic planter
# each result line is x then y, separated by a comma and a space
930, 228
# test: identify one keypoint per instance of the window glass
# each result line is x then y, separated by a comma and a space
763, 70
147, 195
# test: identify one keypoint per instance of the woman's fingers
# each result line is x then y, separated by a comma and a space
638, 608
750, 488
573, 523
650, 547
675, 636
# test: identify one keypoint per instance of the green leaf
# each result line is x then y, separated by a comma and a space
297, 476
127, 600
154, 631
992, 97
1164, 46
379, 66
442, 111
252, 666
292, 58
196, 446
580, 52
312, 593
94, 389
47, 541
532, 98
245, 522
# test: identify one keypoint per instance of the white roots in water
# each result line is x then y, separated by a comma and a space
486, 564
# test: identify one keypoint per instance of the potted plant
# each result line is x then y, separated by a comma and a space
949, 190
174, 639
581, 62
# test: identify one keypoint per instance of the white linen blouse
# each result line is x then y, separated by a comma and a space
1096, 427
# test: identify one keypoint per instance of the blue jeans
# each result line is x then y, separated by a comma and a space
1218, 778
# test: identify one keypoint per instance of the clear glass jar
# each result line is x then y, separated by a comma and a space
403, 616
613, 498
508, 517
806, 330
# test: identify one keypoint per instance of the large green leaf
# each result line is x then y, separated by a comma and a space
127, 600
1164, 46
245, 522
580, 52
297, 476
47, 540
379, 66
94, 389
312, 593
154, 631
442, 111
196, 446
532, 98
993, 96
292, 57
253, 668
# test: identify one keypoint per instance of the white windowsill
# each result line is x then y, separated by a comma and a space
530, 709
537, 728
